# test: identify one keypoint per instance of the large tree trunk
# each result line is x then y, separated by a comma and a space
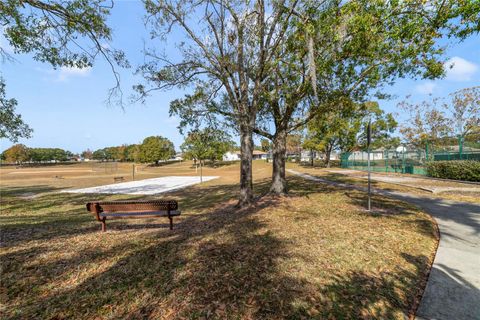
246, 155
279, 182
328, 151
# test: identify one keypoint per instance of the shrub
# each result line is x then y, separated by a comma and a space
468, 170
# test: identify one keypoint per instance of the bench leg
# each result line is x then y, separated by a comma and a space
104, 225
171, 223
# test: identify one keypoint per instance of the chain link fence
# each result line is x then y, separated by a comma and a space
413, 160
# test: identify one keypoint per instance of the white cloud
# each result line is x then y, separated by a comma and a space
63, 74
425, 88
66, 72
459, 69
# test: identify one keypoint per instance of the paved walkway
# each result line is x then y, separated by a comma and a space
453, 288
425, 183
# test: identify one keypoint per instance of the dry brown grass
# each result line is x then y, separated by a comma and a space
315, 254
85, 174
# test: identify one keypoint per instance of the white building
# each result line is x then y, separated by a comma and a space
235, 155
306, 155
363, 155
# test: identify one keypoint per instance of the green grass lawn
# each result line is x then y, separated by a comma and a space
314, 255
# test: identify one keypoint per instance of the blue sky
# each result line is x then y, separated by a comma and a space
66, 107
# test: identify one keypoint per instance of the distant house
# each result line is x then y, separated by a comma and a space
178, 156
235, 155
363, 155
306, 155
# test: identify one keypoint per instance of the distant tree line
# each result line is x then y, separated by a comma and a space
19, 153
152, 150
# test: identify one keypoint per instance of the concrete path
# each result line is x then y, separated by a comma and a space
425, 183
453, 288
146, 186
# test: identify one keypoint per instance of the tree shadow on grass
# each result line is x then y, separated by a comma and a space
195, 273
220, 265
360, 295
218, 262
26, 190
461, 213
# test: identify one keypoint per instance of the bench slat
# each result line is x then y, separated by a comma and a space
138, 206
107, 210
139, 214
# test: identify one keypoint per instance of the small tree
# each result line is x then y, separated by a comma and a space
206, 144
133, 152
438, 118
99, 155
294, 144
341, 129
18, 153
156, 148
336, 129
465, 111
196, 147
265, 145
425, 122
87, 154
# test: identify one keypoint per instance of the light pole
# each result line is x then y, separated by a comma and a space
369, 136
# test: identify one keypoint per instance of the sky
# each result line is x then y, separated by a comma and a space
66, 107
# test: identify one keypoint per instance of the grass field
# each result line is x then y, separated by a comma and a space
315, 254
355, 178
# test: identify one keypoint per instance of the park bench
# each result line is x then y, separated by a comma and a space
117, 179
107, 210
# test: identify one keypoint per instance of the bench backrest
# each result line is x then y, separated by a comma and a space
132, 206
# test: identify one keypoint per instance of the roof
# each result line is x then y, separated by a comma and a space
255, 152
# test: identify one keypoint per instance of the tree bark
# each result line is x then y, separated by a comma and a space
246, 155
311, 156
328, 151
279, 182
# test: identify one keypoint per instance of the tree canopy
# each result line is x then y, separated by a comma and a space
432, 120
344, 129
154, 149
12, 126
19, 153
208, 143
62, 33
225, 53
352, 50
70, 34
